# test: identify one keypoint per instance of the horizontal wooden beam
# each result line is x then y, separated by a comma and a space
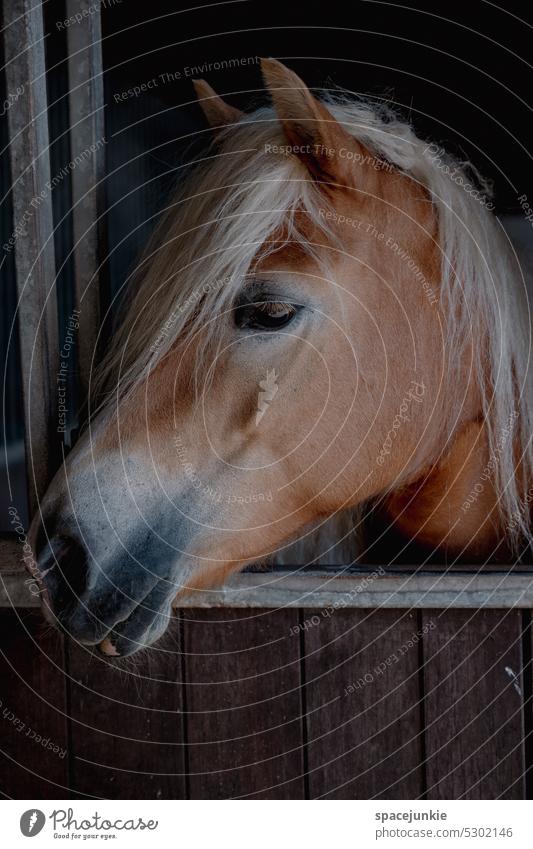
324, 589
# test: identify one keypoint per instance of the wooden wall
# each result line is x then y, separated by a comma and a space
274, 704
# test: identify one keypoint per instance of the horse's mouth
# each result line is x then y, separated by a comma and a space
119, 610
143, 625
116, 624
141, 629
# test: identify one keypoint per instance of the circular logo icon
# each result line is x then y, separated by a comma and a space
32, 822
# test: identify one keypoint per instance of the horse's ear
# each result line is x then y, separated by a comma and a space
313, 132
219, 114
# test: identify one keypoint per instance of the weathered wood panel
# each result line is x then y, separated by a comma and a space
254, 715
344, 590
474, 705
243, 704
33, 237
527, 675
87, 146
363, 704
33, 724
127, 723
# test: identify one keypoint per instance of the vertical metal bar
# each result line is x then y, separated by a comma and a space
32, 238
87, 143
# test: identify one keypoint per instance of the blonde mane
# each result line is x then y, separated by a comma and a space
239, 197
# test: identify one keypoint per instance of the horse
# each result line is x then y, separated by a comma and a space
327, 327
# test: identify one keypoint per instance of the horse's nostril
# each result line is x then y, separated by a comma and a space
62, 565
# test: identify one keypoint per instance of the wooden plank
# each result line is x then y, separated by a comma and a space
363, 704
473, 706
320, 589
527, 648
87, 145
10, 554
243, 705
32, 237
33, 727
127, 723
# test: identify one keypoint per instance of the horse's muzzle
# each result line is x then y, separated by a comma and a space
121, 609
62, 573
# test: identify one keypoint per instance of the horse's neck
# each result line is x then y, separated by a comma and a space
452, 507
449, 512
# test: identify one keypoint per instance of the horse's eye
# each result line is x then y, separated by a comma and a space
265, 315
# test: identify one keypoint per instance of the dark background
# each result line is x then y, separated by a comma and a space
459, 73
455, 72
